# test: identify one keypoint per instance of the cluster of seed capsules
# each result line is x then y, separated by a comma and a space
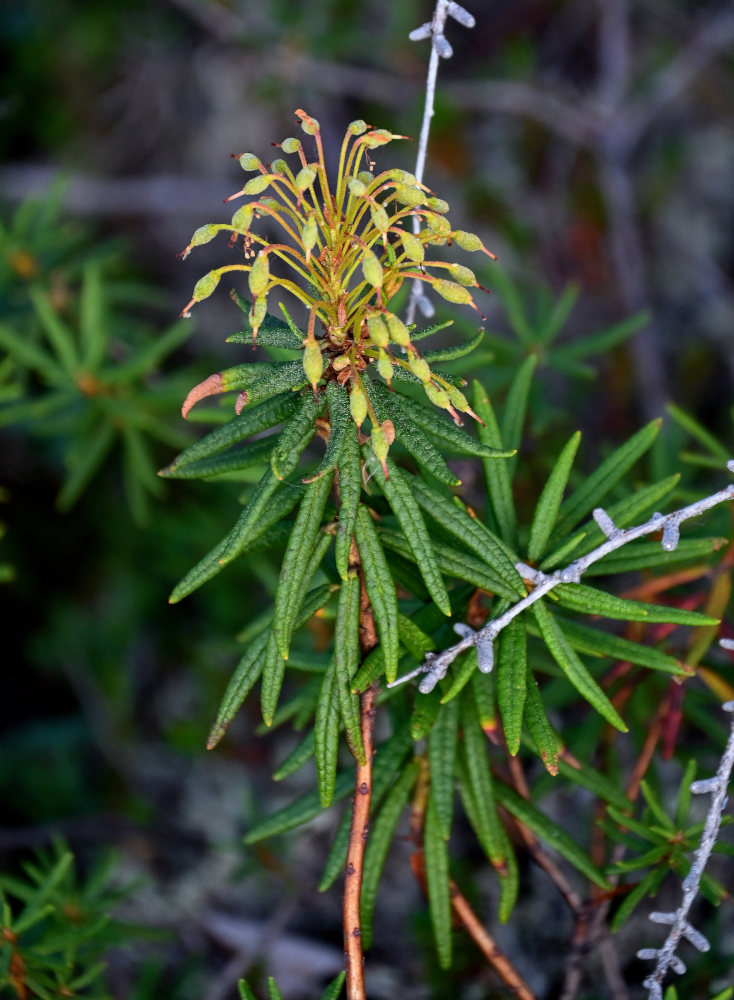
345, 255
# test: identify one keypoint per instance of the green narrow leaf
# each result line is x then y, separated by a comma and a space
499, 484
437, 882
651, 555
453, 353
483, 686
598, 643
513, 303
547, 742
286, 375
279, 506
515, 409
31, 356
564, 655
473, 534
299, 812
551, 834
372, 669
59, 335
380, 589
382, 831
245, 991
558, 315
430, 330
415, 640
550, 499
406, 510
512, 681
252, 454
326, 735
243, 679
465, 665
273, 991
334, 988
648, 886
87, 464
349, 468
449, 437
272, 680
476, 757
294, 436
253, 420
92, 325
296, 561
146, 360
409, 434
685, 794
442, 742
297, 757
339, 418
424, 713
249, 523
699, 433
590, 600
599, 343
600, 482
346, 656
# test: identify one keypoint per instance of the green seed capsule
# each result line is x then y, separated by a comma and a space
379, 334
305, 178
279, 166
385, 366
309, 235
379, 137
257, 314
408, 195
357, 127
310, 125
464, 275
420, 367
372, 269
467, 241
399, 333
380, 219
313, 361
290, 145
256, 185
204, 234
358, 404
437, 395
259, 274
242, 218
248, 161
379, 445
438, 224
357, 187
413, 247
438, 205
458, 399
205, 286
365, 176
452, 292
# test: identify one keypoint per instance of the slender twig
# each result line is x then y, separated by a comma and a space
435, 665
434, 30
666, 957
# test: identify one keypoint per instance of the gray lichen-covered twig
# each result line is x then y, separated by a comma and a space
665, 957
435, 665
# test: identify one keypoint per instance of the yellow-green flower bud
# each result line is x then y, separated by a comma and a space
357, 187
380, 446
309, 235
437, 395
420, 367
357, 403
438, 224
256, 185
399, 333
357, 127
372, 269
408, 195
279, 166
259, 275
204, 234
380, 218
438, 205
257, 315
309, 125
242, 218
458, 399
399, 176
248, 161
205, 286
379, 334
385, 365
467, 241
365, 176
305, 178
413, 247
452, 292
290, 145
313, 361
379, 137
464, 275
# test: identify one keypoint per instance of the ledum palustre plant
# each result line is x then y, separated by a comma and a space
388, 558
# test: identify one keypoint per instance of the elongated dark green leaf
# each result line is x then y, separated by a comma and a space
651, 555
484, 689
590, 600
476, 758
584, 775
334, 988
380, 588
437, 882
272, 680
372, 669
452, 353
564, 655
449, 437
339, 417
599, 343
558, 315
515, 409
243, 679
326, 735
547, 742
252, 420
254, 453
147, 359
595, 488
406, 510
598, 643
382, 831
92, 325
279, 505
648, 886
299, 812
406, 376
245, 991
513, 302
465, 665
699, 433
346, 656
512, 685
430, 330
273, 991
451, 561
297, 757
60, 337
499, 483
349, 468
424, 713
409, 434
28, 354
272, 333
285, 375
296, 561
239, 377
412, 636
442, 742
474, 535
88, 462
294, 437
337, 856
551, 834
549, 502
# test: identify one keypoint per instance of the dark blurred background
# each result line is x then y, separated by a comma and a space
586, 142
